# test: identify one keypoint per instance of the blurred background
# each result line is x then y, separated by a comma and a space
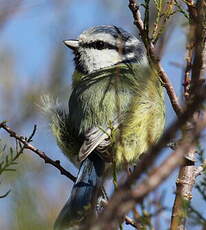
34, 62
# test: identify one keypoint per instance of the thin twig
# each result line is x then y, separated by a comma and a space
37, 151
130, 221
188, 59
155, 62
127, 219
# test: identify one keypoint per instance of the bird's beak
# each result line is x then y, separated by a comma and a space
72, 44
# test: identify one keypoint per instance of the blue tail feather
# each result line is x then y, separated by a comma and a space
84, 194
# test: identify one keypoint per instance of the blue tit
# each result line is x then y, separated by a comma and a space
116, 112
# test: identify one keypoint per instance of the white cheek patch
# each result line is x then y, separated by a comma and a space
97, 59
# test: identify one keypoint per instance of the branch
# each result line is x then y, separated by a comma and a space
155, 62
41, 154
199, 41
127, 219
188, 59
192, 84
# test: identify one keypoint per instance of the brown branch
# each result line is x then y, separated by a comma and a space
127, 219
130, 221
195, 46
200, 40
154, 60
136, 15
41, 154
186, 179
196, 50
188, 59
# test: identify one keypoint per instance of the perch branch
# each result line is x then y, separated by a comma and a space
41, 154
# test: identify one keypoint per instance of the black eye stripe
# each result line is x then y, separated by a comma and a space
137, 50
105, 45
98, 45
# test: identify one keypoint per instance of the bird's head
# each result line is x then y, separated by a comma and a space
104, 46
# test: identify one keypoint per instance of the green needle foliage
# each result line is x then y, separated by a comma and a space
9, 156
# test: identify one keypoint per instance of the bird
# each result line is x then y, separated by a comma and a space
115, 113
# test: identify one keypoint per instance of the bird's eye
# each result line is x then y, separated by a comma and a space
99, 45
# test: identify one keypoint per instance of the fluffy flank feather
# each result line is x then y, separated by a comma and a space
59, 122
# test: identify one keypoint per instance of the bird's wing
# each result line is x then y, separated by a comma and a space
97, 137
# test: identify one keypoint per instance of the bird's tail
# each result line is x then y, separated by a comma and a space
84, 194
